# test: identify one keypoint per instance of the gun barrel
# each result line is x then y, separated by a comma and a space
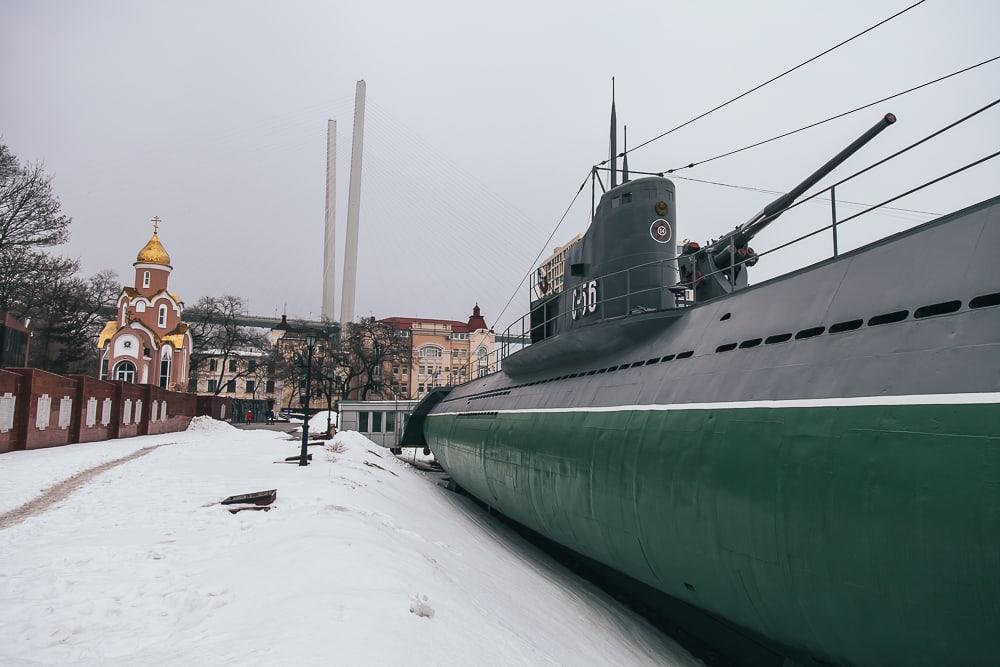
778, 206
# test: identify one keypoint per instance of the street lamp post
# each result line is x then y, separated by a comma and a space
310, 343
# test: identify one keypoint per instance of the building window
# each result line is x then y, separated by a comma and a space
252, 365
231, 386
232, 365
164, 372
420, 387
125, 370
363, 422
213, 364
251, 386
161, 320
145, 278
482, 366
192, 385
376, 422
213, 385
104, 368
430, 351
390, 422
269, 387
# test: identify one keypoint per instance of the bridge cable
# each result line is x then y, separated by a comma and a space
771, 80
831, 118
542, 250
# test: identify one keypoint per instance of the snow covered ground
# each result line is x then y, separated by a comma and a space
317, 421
363, 560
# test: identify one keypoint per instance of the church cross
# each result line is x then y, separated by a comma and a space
156, 223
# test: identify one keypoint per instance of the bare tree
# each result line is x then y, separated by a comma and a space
30, 223
30, 214
369, 348
66, 320
216, 334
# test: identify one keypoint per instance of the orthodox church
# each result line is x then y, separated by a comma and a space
148, 343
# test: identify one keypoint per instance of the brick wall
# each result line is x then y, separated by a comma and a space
179, 410
40, 409
10, 389
131, 403
218, 407
45, 414
96, 407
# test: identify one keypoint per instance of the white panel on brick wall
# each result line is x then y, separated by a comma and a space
153, 410
7, 402
91, 412
222, 411
106, 412
65, 412
127, 411
163, 411
138, 410
42, 413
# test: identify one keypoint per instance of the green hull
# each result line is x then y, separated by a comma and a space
854, 534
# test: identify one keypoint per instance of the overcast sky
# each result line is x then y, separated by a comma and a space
483, 121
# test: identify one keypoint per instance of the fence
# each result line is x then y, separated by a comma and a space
40, 409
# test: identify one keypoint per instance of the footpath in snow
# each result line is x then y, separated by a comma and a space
363, 560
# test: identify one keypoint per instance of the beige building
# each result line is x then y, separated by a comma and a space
548, 278
243, 374
442, 353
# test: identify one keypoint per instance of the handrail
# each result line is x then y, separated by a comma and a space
496, 363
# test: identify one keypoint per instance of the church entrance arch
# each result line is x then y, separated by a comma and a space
125, 370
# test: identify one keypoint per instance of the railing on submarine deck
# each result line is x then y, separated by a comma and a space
522, 329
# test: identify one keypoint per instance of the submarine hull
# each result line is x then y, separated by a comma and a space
815, 459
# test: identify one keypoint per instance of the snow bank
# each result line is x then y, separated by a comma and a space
362, 560
206, 424
317, 422
353, 439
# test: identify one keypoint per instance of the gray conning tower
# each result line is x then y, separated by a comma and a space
625, 262
721, 266
630, 247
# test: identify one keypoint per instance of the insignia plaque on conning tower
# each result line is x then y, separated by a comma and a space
660, 231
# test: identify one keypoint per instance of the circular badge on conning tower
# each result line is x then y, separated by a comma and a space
660, 231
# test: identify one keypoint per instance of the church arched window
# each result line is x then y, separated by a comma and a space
165, 360
125, 370
145, 278
161, 319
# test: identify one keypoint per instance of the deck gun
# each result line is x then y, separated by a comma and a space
720, 267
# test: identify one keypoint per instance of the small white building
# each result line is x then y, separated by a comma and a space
382, 422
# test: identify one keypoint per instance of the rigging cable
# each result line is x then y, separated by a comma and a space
887, 201
827, 120
846, 178
771, 80
900, 152
544, 246
779, 192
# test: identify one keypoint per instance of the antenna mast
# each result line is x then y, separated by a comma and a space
614, 138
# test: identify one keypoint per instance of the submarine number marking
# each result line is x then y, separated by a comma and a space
660, 231
584, 299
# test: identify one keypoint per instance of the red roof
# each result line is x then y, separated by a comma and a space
476, 321
408, 322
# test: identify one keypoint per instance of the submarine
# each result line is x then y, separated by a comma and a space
812, 460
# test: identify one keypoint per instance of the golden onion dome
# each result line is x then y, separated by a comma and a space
153, 252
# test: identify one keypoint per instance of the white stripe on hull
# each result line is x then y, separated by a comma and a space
852, 401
